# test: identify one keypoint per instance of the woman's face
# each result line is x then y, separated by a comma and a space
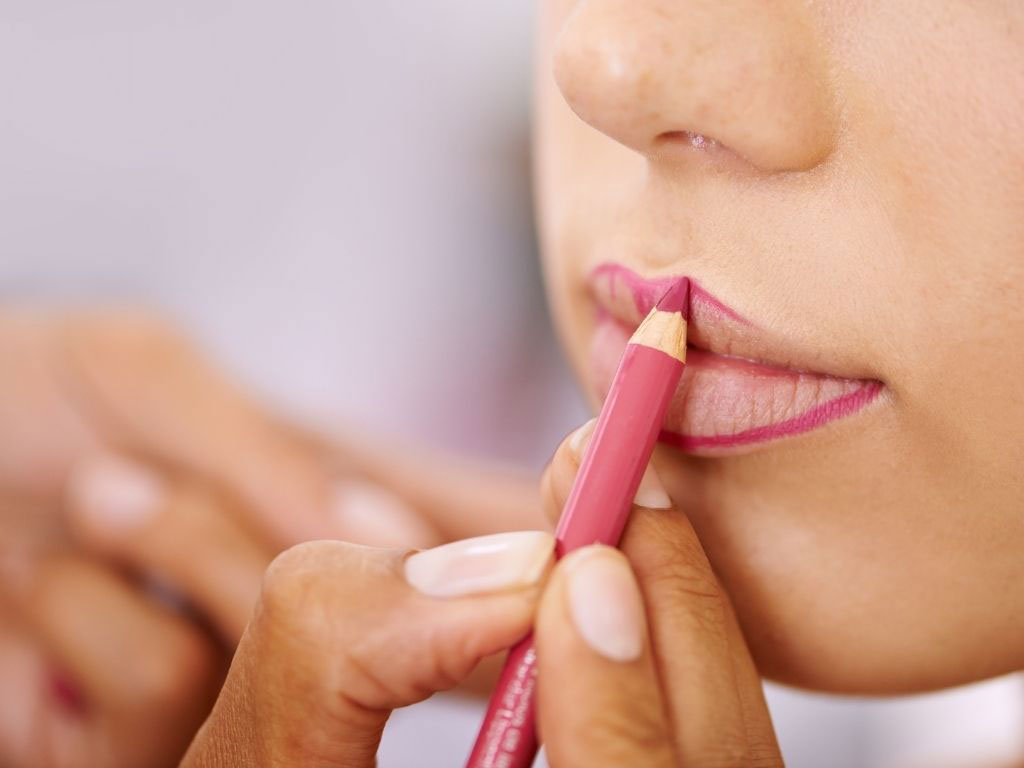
844, 182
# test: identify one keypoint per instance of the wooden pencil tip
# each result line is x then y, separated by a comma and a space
676, 298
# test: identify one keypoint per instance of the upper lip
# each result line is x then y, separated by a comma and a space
713, 326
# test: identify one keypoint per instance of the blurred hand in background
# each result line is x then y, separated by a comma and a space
143, 495
267, 226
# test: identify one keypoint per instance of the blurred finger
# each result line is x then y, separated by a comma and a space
23, 674
154, 394
599, 703
176, 532
370, 514
146, 677
114, 642
460, 497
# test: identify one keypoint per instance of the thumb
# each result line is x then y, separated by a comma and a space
343, 634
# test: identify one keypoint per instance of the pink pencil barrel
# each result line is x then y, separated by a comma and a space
596, 511
602, 495
508, 736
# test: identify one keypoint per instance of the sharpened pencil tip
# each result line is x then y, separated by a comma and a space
677, 298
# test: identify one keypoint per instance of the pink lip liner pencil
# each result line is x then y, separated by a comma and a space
598, 506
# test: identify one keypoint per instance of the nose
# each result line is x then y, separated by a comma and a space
661, 74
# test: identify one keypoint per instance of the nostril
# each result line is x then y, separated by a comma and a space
695, 140
680, 145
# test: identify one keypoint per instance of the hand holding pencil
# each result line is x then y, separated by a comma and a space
632, 660
641, 662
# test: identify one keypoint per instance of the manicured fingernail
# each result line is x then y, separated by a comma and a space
581, 439
371, 515
484, 564
116, 492
605, 604
652, 493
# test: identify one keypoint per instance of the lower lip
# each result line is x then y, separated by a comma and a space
726, 405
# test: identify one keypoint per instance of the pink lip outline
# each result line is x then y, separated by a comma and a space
817, 416
645, 293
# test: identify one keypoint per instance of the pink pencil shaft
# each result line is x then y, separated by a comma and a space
596, 512
627, 428
508, 736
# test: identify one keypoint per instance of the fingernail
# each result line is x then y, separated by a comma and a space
484, 564
370, 515
605, 605
581, 439
116, 492
652, 493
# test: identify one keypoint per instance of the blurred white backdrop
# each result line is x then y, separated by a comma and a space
285, 177
296, 182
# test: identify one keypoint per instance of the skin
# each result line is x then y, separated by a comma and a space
863, 200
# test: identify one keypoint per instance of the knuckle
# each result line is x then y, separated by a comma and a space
691, 591
322, 588
666, 559
687, 580
373, 684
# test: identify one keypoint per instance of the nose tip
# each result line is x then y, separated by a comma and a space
746, 75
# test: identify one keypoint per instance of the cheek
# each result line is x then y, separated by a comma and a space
937, 101
935, 98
